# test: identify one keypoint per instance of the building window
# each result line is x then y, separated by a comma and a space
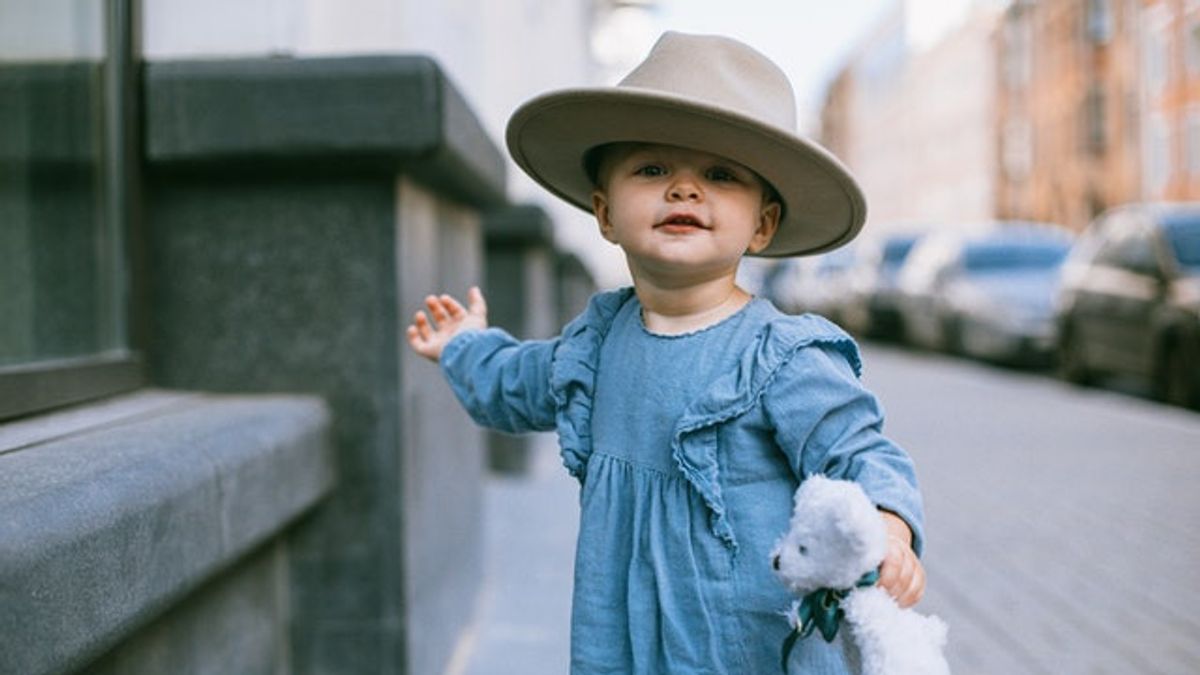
1098, 22
1155, 49
1017, 151
1157, 157
1191, 46
1192, 162
1018, 49
64, 74
1095, 121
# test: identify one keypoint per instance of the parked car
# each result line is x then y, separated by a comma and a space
1002, 305
987, 291
1130, 300
787, 282
872, 307
816, 284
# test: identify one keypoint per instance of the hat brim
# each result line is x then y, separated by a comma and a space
549, 136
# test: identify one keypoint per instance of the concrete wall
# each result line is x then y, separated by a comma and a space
294, 231
296, 211
521, 281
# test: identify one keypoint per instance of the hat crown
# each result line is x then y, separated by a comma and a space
718, 72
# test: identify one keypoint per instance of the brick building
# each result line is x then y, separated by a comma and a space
1068, 109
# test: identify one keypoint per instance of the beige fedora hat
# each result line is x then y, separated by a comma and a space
707, 93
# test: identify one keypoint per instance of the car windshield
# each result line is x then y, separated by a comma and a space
1183, 231
895, 250
997, 256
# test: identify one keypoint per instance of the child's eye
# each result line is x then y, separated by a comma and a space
721, 174
651, 171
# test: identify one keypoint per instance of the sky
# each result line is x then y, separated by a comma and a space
809, 39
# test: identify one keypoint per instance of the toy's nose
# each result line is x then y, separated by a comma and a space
775, 563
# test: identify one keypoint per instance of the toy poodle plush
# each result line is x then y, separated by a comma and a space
829, 557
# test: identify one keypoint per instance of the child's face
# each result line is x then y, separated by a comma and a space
679, 211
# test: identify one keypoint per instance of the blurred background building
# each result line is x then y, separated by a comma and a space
1053, 111
915, 126
1069, 119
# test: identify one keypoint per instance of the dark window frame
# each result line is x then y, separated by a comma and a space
43, 385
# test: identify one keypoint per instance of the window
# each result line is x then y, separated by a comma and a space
1129, 247
1192, 49
1157, 157
1138, 255
65, 78
1155, 49
1191, 147
1018, 48
1017, 148
1099, 21
1182, 231
1094, 121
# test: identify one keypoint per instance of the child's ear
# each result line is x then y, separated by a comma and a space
600, 209
768, 224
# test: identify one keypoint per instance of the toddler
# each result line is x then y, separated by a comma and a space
688, 409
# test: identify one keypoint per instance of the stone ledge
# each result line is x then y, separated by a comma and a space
103, 530
519, 225
313, 113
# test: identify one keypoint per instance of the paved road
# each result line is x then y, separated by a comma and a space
1064, 528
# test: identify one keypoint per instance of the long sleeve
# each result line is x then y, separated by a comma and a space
502, 382
828, 423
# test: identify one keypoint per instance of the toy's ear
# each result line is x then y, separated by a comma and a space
862, 526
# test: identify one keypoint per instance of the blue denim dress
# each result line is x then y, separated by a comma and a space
688, 450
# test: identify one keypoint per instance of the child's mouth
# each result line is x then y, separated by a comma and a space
680, 223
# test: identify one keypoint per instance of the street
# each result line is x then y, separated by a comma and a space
1061, 523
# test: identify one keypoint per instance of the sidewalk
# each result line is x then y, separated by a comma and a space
523, 618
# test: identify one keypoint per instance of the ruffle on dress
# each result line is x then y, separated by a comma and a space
694, 439
573, 377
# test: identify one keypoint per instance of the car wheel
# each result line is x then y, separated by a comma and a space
1178, 382
1071, 364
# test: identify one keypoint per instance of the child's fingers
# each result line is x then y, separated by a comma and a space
422, 346
475, 302
896, 570
421, 327
916, 588
414, 339
436, 310
911, 585
902, 576
453, 308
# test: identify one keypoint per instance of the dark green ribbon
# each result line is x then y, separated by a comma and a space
822, 610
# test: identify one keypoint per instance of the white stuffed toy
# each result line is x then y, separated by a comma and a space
829, 557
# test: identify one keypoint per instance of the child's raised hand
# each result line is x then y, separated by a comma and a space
449, 318
901, 574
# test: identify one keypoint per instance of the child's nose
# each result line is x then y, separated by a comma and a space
685, 187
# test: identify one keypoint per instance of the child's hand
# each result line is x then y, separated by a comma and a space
450, 318
901, 573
